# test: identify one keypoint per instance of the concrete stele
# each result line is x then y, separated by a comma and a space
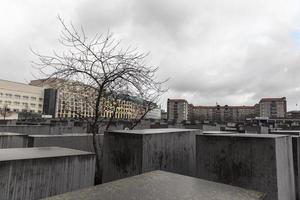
261, 162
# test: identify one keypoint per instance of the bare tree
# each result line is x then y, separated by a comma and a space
100, 69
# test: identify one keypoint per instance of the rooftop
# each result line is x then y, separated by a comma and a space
177, 100
272, 99
20, 87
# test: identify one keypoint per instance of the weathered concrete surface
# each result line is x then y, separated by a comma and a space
42, 129
34, 173
296, 159
12, 140
253, 161
252, 129
80, 141
159, 185
296, 155
83, 142
264, 130
128, 153
219, 132
286, 132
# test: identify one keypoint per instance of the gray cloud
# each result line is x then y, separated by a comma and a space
230, 52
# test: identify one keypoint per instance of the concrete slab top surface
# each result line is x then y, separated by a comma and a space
292, 136
248, 135
219, 132
159, 185
11, 134
38, 152
286, 131
154, 131
22, 125
66, 135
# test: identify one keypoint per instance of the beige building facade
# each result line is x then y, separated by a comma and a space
19, 97
71, 100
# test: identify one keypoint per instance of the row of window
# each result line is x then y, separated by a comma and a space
21, 110
16, 96
16, 103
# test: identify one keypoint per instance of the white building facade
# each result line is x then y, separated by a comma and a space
19, 97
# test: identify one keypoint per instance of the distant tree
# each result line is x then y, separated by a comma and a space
99, 68
4, 111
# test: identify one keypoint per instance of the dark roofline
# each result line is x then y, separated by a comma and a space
184, 100
273, 99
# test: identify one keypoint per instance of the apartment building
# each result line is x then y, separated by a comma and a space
177, 110
19, 97
180, 110
223, 113
273, 107
202, 113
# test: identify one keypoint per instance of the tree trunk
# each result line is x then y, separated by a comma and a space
98, 151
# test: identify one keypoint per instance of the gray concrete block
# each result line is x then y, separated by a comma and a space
79, 141
12, 140
296, 159
159, 185
34, 173
252, 129
253, 161
286, 132
132, 152
219, 132
42, 129
296, 155
26, 129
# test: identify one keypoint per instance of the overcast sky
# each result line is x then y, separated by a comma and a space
232, 51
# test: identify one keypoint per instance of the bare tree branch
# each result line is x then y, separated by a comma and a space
98, 70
